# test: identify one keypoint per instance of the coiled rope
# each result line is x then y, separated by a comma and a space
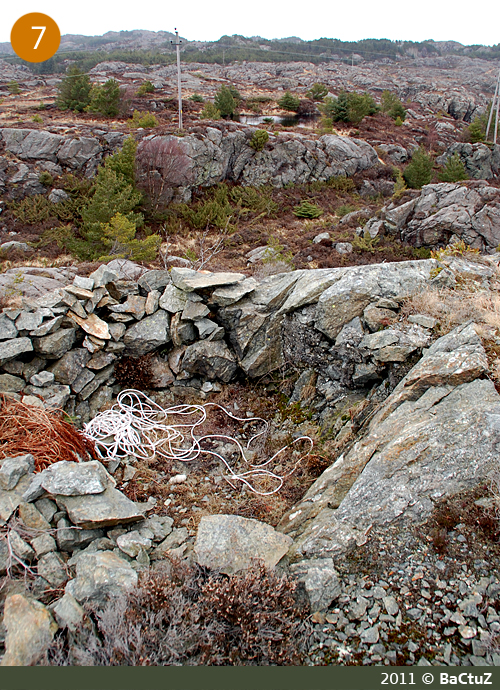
137, 426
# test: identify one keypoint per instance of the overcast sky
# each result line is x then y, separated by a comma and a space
203, 20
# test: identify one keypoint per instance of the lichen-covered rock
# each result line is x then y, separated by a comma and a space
147, 335
230, 543
435, 435
30, 629
101, 576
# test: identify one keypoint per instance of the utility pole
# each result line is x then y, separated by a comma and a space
179, 92
496, 99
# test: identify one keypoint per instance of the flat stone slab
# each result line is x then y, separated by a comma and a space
106, 509
92, 325
225, 296
189, 280
9, 349
230, 543
76, 478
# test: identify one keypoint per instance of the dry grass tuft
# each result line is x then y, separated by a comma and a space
453, 307
43, 433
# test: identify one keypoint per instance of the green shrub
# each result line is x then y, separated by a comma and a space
210, 112
454, 170
145, 87
341, 183
276, 253
224, 102
349, 107
196, 98
343, 210
289, 102
317, 92
367, 243
37, 118
477, 129
419, 172
254, 200
392, 106
145, 120
398, 122
13, 87
326, 125
118, 236
74, 91
259, 139
123, 161
105, 99
46, 179
113, 194
307, 210
400, 186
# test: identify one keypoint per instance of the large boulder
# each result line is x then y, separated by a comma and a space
230, 543
435, 435
212, 359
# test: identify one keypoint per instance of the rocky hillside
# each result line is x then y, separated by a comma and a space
302, 373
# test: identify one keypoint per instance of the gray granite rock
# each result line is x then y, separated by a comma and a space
76, 478
173, 299
211, 359
68, 612
230, 543
7, 328
147, 335
11, 384
320, 581
30, 629
55, 345
9, 349
189, 280
105, 509
101, 576
53, 569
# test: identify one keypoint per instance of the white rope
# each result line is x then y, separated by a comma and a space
137, 426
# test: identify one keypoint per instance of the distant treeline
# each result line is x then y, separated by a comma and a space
229, 49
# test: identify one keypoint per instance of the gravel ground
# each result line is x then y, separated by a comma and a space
426, 595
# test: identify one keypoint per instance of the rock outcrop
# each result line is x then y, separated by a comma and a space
467, 211
216, 156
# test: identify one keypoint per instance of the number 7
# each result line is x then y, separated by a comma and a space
41, 34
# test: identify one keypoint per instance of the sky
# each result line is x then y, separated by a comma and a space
207, 21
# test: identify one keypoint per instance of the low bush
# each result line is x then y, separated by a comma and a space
145, 120
454, 170
225, 102
259, 139
145, 88
349, 107
105, 99
74, 91
307, 210
317, 92
210, 112
196, 98
419, 171
289, 102
46, 179
182, 615
13, 87
118, 237
392, 106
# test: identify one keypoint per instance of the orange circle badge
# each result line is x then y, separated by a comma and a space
35, 37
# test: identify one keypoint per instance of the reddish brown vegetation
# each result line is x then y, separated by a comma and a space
43, 433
